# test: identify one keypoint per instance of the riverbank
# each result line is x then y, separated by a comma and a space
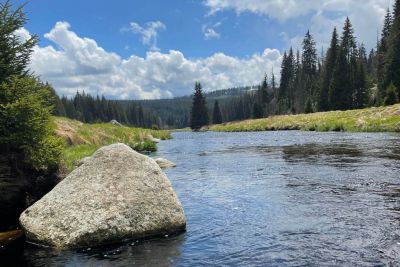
82, 139
380, 119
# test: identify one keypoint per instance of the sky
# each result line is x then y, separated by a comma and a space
131, 49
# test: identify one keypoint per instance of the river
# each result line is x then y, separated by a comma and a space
269, 199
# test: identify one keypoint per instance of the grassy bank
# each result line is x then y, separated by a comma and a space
83, 139
382, 119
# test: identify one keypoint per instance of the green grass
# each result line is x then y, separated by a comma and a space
382, 119
81, 139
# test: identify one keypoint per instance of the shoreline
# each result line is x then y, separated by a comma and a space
376, 119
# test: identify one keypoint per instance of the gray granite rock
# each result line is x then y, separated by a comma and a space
117, 195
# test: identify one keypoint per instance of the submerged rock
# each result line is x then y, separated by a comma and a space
164, 163
118, 194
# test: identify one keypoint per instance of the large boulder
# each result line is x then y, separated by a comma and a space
117, 194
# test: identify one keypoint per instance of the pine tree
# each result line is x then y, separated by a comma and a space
286, 94
343, 83
382, 55
199, 113
348, 41
26, 126
217, 117
15, 53
257, 112
339, 86
273, 84
361, 94
309, 67
392, 97
392, 66
264, 90
329, 67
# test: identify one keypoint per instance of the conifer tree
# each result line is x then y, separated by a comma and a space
309, 67
392, 62
392, 96
15, 53
343, 83
382, 54
217, 117
330, 64
199, 113
26, 126
338, 90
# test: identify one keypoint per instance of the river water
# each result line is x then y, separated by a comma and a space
269, 199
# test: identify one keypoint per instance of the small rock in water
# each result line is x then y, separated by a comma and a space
164, 163
166, 236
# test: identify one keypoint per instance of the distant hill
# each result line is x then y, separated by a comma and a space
175, 112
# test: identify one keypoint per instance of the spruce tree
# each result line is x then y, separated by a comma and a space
382, 55
26, 126
329, 67
339, 98
199, 113
343, 83
15, 53
392, 97
217, 117
392, 66
309, 67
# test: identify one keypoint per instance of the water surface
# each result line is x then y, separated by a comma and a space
269, 198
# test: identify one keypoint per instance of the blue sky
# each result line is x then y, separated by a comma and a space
155, 49
184, 20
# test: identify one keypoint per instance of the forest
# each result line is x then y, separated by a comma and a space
345, 77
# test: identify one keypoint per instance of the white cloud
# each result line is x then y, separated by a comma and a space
23, 34
149, 32
210, 33
366, 15
209, 30
76, 63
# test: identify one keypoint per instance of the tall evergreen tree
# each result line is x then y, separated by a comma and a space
343, 83
309, 67
329, 67
199, 113
338, 90
217, 117
392, 66
14, 52
382, 48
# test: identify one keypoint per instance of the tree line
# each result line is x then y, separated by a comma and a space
346, 77
89, 109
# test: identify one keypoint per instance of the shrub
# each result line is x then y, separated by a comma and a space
391, 95
26, 126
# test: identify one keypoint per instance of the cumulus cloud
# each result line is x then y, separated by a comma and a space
323, 14
77, 63
149, 32
23, 34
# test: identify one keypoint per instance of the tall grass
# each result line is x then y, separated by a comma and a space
382, 119
81, 139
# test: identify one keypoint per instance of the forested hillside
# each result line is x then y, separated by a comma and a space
344, 77
163, 113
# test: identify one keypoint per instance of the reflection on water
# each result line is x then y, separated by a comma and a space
272, 198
